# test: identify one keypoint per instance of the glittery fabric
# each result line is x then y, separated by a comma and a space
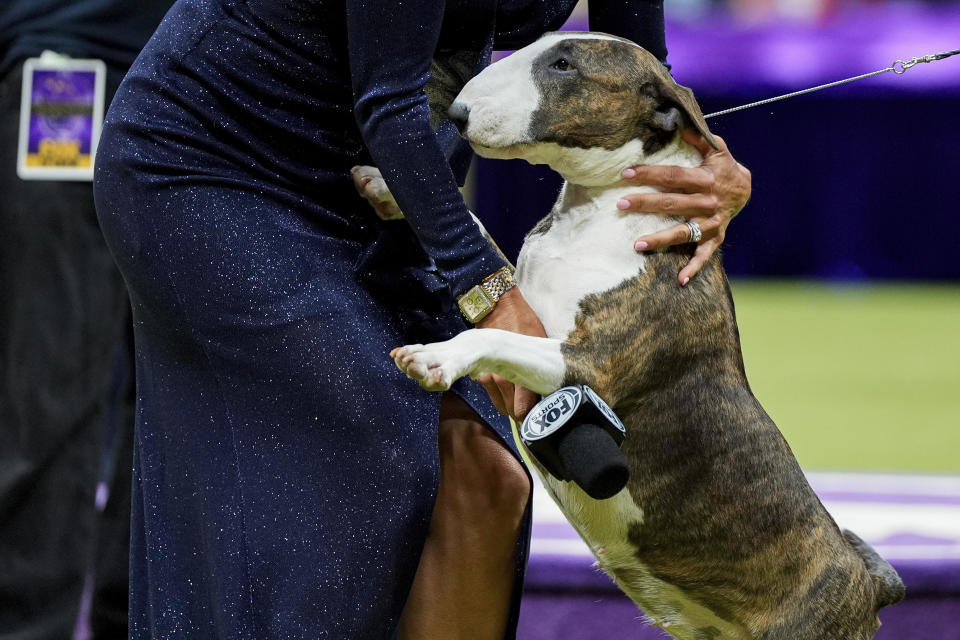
285, 471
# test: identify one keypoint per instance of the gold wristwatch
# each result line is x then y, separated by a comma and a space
479, 301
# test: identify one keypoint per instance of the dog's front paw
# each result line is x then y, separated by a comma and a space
435, 366
371, 185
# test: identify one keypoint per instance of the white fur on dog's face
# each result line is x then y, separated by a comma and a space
503, 98
586, 104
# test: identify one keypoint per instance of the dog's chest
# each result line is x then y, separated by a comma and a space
584, 251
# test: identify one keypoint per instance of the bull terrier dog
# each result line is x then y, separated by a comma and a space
717, 534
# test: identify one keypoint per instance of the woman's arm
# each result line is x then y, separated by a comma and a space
391, 47
637, 20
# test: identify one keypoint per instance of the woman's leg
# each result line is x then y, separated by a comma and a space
466, 575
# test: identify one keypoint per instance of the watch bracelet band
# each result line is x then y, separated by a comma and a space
499, 283
480, 300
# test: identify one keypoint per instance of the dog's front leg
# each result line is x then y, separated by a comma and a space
531, 362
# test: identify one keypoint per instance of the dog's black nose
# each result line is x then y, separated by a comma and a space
458, 113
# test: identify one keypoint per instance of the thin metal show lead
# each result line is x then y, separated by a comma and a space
898, 67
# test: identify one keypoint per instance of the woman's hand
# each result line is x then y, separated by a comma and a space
711, 195
512, 313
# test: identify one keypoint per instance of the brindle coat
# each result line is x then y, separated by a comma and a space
729, 517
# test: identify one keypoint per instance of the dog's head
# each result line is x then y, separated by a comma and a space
580, 102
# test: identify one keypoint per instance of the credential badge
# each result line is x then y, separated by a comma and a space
60, 117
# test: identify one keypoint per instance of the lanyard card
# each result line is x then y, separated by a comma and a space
61, 112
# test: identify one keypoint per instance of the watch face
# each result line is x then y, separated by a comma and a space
475, 304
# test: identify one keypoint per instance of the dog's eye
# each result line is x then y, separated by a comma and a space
562, 65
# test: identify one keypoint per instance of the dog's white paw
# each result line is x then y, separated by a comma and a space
435, 366
371, 185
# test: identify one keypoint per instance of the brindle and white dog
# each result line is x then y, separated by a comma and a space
717, 534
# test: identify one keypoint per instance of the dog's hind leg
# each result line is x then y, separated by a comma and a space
531, 362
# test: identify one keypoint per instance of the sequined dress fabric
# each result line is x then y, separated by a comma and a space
284, 469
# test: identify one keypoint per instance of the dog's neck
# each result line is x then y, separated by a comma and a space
594, 182
585, 246
598, 168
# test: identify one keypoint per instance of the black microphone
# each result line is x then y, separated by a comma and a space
576, 436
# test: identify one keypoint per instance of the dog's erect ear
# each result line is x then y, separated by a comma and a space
683, 98
679, 107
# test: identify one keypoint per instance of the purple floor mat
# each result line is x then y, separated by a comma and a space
913, 520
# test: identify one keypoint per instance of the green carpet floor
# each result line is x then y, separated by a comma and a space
857, 376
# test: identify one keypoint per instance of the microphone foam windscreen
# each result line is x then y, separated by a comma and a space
593, 460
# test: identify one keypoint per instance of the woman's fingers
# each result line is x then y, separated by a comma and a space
500, 390
693, 137
710, 195
685, 179
678, 234
509, 399
712, 236
523, 401
689, 205
710, 228
700, 257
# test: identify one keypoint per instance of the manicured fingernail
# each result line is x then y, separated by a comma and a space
640, 245
622, 203
628, 173
685, 281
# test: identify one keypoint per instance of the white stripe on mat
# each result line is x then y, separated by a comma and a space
878, 522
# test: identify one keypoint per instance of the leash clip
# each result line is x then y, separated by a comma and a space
899, 66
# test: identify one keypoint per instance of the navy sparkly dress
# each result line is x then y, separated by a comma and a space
285, 470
